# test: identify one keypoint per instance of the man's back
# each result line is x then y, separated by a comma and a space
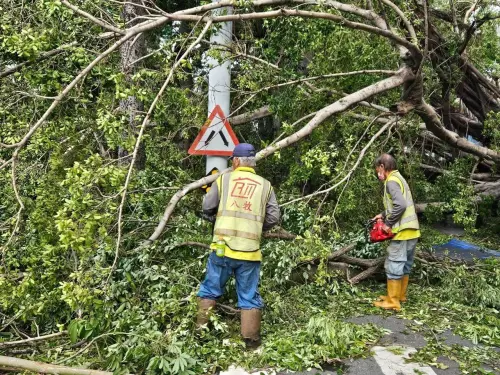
245, 205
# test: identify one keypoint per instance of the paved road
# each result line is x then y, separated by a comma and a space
389, 356
402, 336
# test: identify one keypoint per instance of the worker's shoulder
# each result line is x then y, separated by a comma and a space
396, 177
393, 185
266, 181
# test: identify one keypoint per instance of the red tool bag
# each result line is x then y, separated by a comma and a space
376, 232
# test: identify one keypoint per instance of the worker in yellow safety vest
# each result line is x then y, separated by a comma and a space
399, 217
245, 205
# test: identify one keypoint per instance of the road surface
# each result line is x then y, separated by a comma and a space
388, 357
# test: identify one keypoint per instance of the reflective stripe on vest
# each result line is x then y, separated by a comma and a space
409, 219
242, 207
241, 215
237, 233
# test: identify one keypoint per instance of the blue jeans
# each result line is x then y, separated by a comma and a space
247, 274
400, 258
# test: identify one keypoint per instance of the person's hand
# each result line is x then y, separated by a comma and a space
386, 229
378, 217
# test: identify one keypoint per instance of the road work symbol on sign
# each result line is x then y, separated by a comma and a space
216, 136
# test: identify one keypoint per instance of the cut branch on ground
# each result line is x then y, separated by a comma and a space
45, 368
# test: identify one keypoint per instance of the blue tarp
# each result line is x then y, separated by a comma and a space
456, 248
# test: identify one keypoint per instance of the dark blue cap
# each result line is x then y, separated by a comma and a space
243, 150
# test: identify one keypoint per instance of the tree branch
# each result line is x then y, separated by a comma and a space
337, 107
143, 27
255, 58
281, 235
31, 340
381, 29
228, 309
433, 123
366, 273
469, 11
251, 116
474, 176
43, 56
67, 89
405, 20
152, 24
320, 15
454, 17
331, 257
90, 17
472, 29
325, 76
139, 138
45, 368
361, 262
353, 169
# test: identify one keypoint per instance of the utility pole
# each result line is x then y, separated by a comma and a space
219, 78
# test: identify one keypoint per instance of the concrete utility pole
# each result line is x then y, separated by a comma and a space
219, 78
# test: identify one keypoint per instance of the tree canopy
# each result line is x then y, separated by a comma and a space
100, 101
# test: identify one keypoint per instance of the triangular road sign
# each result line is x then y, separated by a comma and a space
216, 136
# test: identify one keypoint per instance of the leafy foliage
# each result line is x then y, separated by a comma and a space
54, 273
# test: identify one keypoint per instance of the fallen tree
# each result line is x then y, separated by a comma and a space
88, 174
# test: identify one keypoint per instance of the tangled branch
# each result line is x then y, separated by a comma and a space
139, 138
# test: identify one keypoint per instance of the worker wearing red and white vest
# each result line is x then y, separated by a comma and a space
245, 205
399, 217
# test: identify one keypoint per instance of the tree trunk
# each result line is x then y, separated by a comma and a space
491, 189
133, 108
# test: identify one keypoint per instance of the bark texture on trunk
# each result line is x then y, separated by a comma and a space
131, 51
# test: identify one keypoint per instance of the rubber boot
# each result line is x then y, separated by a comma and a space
250, 327
382, 298
393, 292
404, 288
205, 307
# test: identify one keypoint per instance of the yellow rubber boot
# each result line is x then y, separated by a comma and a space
404, 287
382, 298
393, 292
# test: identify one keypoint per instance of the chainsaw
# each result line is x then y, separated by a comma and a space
374, 232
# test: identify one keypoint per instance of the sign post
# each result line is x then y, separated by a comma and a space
219, 80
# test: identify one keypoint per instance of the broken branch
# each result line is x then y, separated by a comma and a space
337, 107
92, 18
31, 340
434, 124
45, 368
139, 138
251, 116
43, 56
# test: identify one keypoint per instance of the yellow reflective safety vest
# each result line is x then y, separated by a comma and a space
409, 220
242, 209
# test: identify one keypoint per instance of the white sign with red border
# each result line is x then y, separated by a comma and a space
216, 136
